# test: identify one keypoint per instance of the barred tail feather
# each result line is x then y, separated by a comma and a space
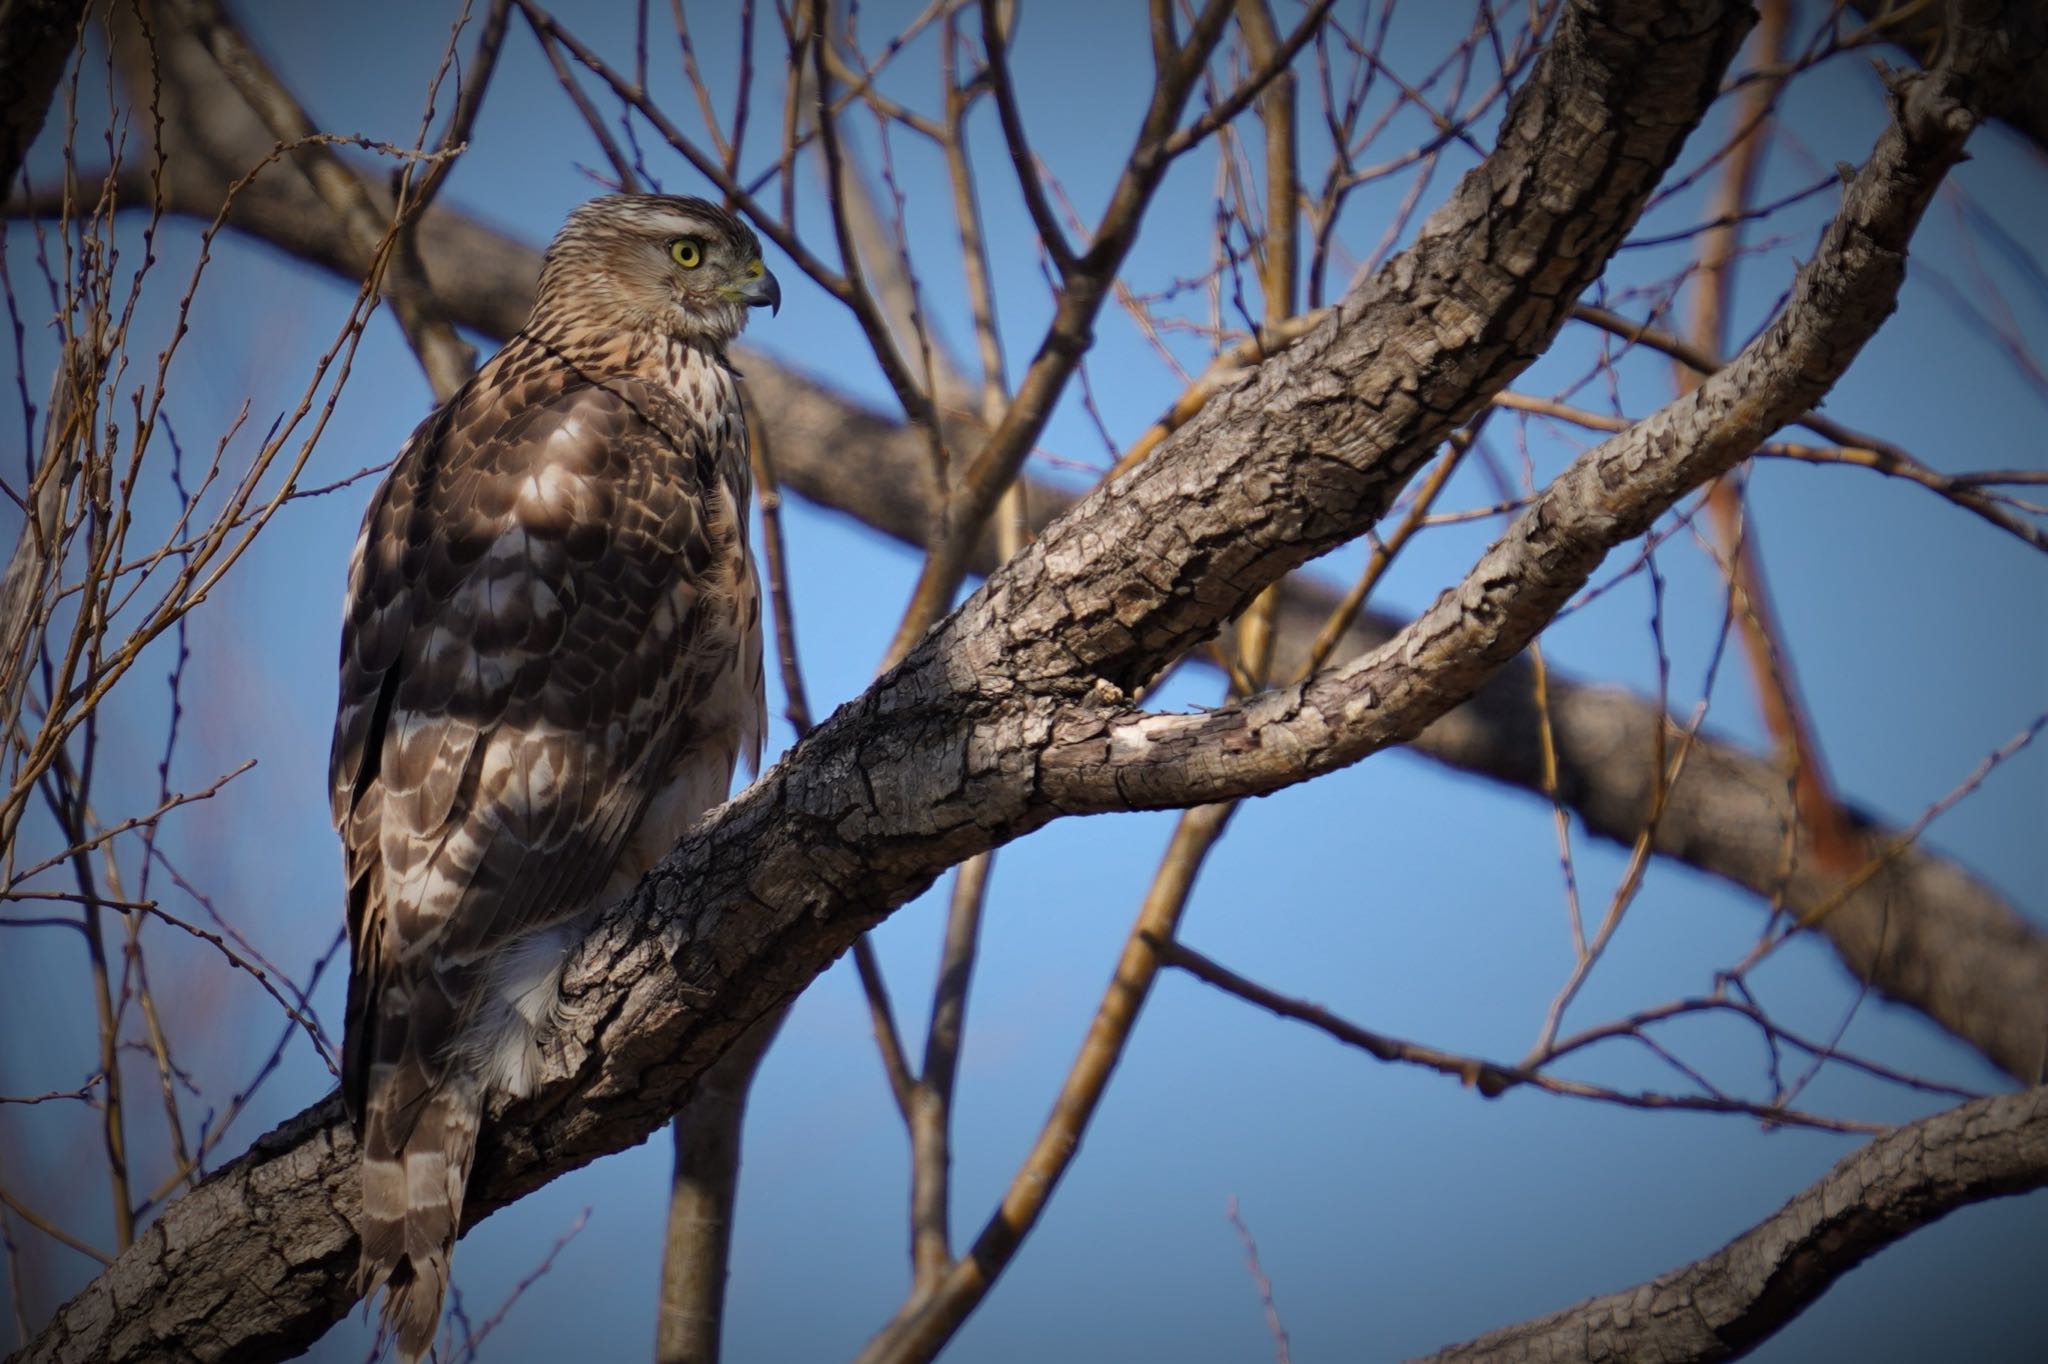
412, 1205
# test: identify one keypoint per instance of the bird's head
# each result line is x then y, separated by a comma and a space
657, 262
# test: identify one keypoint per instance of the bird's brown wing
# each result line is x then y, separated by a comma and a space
542, 590
517, 657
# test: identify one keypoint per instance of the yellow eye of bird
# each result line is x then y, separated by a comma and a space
687, 252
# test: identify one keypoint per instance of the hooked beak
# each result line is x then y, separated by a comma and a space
762, 291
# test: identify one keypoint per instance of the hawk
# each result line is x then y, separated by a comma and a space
550, 664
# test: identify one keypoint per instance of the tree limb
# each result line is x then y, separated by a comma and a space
936, 761
1917, 30
445, 356
1725, 1305
944, 756
1609, 495
702, 1194
1925, 932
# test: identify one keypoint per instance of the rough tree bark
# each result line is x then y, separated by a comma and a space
1723, 1306
1010, 713
1917, 31
1923, 932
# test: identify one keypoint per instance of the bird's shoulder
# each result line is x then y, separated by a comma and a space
538, 497
549, 445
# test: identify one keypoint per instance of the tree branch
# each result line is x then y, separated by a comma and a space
1725, 1305
445, 356
702, 1195
1916, 28
937, 761
1609, 495
1924, 931
946, 755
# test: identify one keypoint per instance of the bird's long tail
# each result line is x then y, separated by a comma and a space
414, 1172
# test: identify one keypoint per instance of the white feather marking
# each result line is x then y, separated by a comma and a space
383, 1184
510, 556
426, 1178
555, 492
521, 1004
501, 761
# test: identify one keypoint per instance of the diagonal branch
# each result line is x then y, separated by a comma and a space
1725, 1305
1924, 931
1084, 288
939, 759
38, 37
995, 38
1609, 495
965, 744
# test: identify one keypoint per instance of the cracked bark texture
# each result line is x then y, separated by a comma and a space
1916, 29
1924, 931
1723, 1306
1609, 495
945, 755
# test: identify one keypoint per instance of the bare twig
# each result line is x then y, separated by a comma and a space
1066, 339
883, 1019
931, 1097
1490, 1078
51, 1229
1264, 1285
929, 1319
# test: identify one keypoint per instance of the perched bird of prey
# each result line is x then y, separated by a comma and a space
550, 663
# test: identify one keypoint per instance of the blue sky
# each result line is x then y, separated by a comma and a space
1394, 1212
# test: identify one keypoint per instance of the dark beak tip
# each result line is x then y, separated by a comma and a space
766, 292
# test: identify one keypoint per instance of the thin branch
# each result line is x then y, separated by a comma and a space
1066, 339
1770, 660
931, 1100
703, 1191
995, 43
626, 179
1274, 61
917, 403
51, 1229
469, 102
883, 1018
471, 1340
1490, 1079
929, 1319
1264, 1285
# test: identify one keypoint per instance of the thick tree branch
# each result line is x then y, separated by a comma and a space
936, 762
1917, 29
1924, 931
1609, 495
1722, 1307
943, 757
